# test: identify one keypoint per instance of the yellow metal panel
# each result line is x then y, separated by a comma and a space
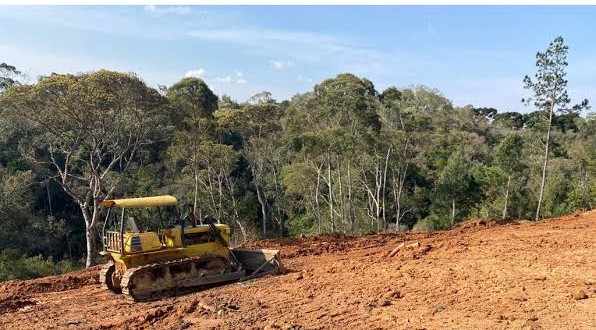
141, 242
173, 239
164, 200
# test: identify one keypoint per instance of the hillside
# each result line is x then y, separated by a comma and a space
480, 275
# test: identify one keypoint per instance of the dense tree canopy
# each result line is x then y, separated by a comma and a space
342, 157
84, 132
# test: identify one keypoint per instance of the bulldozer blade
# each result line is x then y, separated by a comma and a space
259, 262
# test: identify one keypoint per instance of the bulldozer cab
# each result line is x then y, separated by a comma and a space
140, 223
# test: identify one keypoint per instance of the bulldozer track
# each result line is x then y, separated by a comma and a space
129, 286
105, 276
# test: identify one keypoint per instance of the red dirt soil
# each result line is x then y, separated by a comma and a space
480, 275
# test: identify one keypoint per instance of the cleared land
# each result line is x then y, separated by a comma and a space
480, 275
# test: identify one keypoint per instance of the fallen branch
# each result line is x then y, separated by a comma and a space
394, 252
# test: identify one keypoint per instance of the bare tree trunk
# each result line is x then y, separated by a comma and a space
236, 218
370, 209
49, 198
384, 187
340, 202
351, 216
452, 211
90, 233
396, 197
317, 193
506, 198
230, 187
586, 190
546, 149
278, 200
329, 184
378, 179
196, 197
263, 210
220, 191
374, 203
200, 215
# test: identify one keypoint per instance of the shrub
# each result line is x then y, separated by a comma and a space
432, 222
303, 224
403, 228
425, 224
14, 265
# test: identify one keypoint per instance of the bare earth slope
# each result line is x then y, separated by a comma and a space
478, 276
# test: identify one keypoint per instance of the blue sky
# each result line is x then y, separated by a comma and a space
473, 55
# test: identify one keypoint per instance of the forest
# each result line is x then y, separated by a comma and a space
343, 157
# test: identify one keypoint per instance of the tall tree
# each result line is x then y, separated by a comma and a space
85, 132
456, 183
550, 95
337, 112
508, 158
8, 76
262, 130
192, 107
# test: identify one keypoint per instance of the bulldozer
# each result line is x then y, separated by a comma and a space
169, 254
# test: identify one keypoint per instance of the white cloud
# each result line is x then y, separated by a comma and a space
237, 78
226, 79
181, 10
230, 79
198, 73
278, 65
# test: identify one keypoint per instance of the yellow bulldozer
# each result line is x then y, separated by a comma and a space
170, 254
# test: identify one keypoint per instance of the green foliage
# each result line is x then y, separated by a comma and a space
508, 155
341, 157
550, 97
301, 225
458, 187
14, 265
84, 132
510, 120
432, 222
8, 76
191, 99
346, 100
550, 83
488, 113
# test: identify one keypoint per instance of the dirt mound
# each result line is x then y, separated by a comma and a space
480, 275
63, 282
10, 303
